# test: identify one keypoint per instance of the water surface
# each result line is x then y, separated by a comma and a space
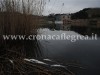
85, 53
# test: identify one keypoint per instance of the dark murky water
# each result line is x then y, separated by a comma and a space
85, 53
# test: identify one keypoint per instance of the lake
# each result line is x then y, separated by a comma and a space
84, 53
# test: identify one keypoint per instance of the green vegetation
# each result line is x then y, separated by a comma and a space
82, 14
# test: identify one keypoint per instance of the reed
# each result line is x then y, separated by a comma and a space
18, 17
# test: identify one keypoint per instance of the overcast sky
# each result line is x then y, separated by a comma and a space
68, 6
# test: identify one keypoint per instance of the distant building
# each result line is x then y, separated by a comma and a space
62, 20
65, 18
61, 17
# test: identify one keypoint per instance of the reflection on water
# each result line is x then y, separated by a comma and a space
84, 53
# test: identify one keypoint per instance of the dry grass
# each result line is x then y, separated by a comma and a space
21, 67
18, 17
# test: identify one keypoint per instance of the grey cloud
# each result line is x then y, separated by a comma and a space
70, 6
